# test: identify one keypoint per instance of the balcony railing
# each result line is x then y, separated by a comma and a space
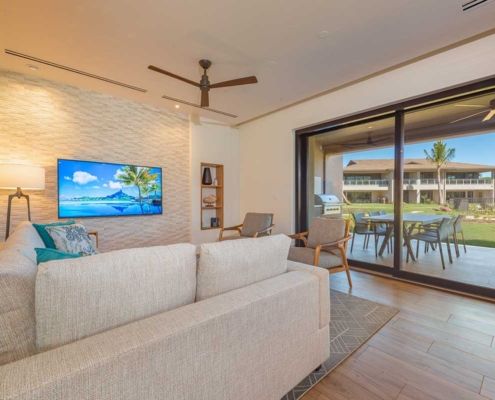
429, 181
372, 182
469, 181
410, 181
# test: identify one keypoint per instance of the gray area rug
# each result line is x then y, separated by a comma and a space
352, 321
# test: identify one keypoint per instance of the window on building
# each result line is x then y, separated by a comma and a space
359, 197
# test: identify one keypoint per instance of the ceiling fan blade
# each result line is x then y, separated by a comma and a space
469, 116
469, 105
355, 144
205, 99
489, 116
235, 82
162, 71
381, 140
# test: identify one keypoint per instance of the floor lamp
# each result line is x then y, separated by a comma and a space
27, 177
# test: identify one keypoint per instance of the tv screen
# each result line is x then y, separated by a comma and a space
94, 189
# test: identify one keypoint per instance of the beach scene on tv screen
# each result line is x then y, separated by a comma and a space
90, 189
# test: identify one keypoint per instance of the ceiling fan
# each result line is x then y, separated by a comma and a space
204, 84
490, 109
369, 142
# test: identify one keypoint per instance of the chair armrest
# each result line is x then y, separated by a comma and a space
337, 243
300, 236
94, 238
267, 230
231, 228
323, 287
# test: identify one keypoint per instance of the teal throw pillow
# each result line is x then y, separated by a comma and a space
47, 239
45, 255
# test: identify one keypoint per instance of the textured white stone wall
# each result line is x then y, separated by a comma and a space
41, 121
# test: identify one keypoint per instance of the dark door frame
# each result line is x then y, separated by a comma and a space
398, 111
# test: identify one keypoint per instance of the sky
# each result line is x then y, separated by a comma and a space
82, 178
479, 149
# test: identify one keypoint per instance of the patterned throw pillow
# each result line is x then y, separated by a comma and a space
72, 239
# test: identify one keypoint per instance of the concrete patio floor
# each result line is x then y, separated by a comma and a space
476, 267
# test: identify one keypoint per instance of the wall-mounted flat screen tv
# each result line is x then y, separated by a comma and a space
94, 189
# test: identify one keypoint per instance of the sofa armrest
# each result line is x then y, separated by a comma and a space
323, 287
249, 331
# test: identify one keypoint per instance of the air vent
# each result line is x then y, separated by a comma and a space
101, 78
198, 106
470, 5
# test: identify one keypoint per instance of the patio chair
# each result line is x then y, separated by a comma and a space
434, 234
254, 225
325, 245
361, 227
458, 230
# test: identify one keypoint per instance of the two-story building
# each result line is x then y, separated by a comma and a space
372, 181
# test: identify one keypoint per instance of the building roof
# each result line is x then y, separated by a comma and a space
412, 164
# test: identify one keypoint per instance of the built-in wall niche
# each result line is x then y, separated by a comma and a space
212, 210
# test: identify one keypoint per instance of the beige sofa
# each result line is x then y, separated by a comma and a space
143, 324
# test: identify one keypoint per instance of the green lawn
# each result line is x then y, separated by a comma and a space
476, 233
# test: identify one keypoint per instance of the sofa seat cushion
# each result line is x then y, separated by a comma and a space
232, 264
25, 239
80, 297
17, 320
306, 255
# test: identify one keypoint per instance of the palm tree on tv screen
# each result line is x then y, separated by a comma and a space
438, 156
139, 177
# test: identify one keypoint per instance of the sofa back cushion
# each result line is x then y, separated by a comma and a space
233, 264
80, 297
17, 322
25, 239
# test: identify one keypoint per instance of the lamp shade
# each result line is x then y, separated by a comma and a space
27, 177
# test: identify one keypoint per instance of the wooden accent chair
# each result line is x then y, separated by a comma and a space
325, 245
254, 225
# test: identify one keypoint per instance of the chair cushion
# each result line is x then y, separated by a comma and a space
47, 239
306, 255
24, 239
229, 265
325, 230
80, 297
17, 321
234, 237
255, 222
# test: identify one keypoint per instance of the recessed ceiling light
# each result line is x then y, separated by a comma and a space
323, 34
271, 64
33, 67
369, 127
177, 106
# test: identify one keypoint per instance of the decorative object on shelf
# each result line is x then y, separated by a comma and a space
207, 176
28, 177
210, 200
215, 222
215, 182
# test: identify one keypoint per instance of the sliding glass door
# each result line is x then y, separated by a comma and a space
417, 182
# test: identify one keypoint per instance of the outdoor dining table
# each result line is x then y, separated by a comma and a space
408, 219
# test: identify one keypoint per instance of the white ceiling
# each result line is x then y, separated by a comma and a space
118, 40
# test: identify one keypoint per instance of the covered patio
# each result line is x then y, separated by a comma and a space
476, 267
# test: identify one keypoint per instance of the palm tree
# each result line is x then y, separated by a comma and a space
136, 176
154, 188
439, 155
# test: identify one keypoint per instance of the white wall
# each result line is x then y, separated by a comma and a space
216, 143
267, 144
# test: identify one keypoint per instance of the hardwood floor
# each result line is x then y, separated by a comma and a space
439, 346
